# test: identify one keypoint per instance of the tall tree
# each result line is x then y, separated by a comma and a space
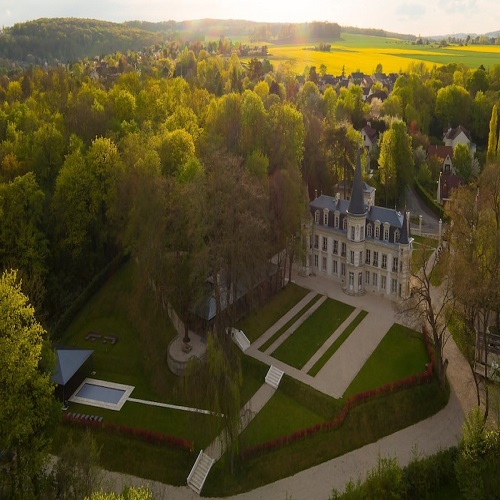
396, 160
462, 161
26, 392
493, 135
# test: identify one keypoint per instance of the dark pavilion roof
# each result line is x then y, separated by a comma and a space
357, 203
69, 362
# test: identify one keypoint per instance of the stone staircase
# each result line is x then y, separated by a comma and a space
241, 339
199, 472
273, 377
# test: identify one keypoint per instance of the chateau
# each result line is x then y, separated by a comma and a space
364, 247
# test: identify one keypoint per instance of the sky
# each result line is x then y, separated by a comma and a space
417, 17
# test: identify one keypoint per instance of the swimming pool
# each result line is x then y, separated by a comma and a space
102, 394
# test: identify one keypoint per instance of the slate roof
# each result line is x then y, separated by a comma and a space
69, 362
370, 132
454, 132
447, 182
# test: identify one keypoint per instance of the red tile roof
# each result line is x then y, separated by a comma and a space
440, 151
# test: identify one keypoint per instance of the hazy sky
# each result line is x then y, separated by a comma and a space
423, 17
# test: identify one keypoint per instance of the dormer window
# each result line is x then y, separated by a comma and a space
336, 220
325, 218
344, 224
377, 230
397, 236
369, 231
316, 217
386, 232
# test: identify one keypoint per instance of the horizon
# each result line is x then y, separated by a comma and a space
444, 17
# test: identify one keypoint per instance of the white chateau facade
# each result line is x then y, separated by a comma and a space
364, 247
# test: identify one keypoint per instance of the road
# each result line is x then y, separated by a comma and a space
430, 222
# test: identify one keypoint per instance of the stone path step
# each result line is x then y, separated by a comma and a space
199, 472
273, 377
240, 339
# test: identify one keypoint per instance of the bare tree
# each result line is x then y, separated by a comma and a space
429, 305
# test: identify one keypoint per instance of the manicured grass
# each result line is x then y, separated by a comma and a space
364, 424
281, 415
400, 354
256, 323
425, 241
312, 334
269, 342
335, 346
294, 406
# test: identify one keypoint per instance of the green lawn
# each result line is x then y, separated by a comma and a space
364, 424
400, 354
312, 333
256, 323
269, 342
335, 346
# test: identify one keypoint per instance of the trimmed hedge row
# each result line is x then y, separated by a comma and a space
429, 201
424, 377
145, 435
95, 284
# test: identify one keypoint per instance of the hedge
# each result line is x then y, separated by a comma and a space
424, 377
145, 435
429, 201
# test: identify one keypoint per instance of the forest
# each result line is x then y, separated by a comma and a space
190, 161
78, 145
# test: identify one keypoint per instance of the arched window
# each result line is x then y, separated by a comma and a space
325, 217
344, 224
369, 231
316, 217
396, 236
377, 230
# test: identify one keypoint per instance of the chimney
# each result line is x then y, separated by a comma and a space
315, 193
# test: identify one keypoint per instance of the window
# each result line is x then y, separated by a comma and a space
369, 231
351, 260
344, 224
383, 283
362, 232
384, 261
395, 264
367, 277
351, 280
323, 264
352, 233
336, 220
375, 279
375, 259
368, 256
325, 218
394, 286
386, 233
343, 250
325, 243
377, 232
316, 216
335, 247
397, 236
335, 267
360, 281
342, 269
316, 241
360, 257
316, 261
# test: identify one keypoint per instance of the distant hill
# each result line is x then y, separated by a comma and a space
463, 36
71, 39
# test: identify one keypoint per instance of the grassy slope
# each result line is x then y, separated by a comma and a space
400, 354
255, 324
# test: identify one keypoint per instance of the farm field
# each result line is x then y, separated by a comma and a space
363, 53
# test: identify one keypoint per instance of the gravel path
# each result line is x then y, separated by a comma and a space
427, 437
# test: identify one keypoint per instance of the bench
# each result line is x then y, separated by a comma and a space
111, 339
92, 336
